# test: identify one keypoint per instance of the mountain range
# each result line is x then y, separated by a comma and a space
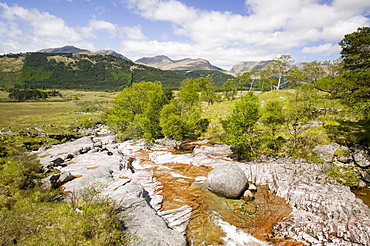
165, 63
70, 67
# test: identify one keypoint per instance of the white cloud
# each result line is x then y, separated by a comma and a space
322, 50
133, 33
30, 30
355, 6
336, 31
274, 26
101, 25
172, 10
222, 57
42, 23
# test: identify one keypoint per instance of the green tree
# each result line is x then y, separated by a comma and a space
356, 57
229, 89
240, 124
189, 93
207, 90
313, 71
300, 110
280, 68
272, 116
333, 67
265, 82
254, 75
182, 117
296, 77
243, 80
135, 113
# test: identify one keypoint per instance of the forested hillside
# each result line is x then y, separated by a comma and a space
89, 71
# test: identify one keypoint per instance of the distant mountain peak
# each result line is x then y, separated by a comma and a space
247, 66
165, 63
64, 49
112, 53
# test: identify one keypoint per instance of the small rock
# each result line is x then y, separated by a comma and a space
344, 158
65, 177
252, 188
55, 180
248, 195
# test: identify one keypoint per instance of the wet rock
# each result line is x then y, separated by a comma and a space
227, 180
323, 213
142, 221
177, 218
252, 188
242, 207
362, 156
166, 142
248, 195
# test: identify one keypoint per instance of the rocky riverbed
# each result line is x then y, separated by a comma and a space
164, 202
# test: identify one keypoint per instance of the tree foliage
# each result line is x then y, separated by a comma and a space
239, 126
87, 71
356, 56
280, 68
229, 89
273, 117
182, 117
207, 90
135, 113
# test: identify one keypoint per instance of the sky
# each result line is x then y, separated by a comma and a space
225, 32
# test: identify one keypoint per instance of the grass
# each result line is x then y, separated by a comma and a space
333, 122
28, 214
32, 124
53, 115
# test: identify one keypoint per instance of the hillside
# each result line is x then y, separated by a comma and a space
165, 63
247, 66
84, 70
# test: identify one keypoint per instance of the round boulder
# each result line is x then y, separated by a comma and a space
227, 180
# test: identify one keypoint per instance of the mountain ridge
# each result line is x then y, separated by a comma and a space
163, 62
189, 64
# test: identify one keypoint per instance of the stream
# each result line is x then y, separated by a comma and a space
293, 203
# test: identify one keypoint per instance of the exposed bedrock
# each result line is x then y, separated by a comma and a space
323, 213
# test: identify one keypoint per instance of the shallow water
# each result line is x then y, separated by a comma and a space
217, 220
363, 194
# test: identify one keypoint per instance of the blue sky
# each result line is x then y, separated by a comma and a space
223, 32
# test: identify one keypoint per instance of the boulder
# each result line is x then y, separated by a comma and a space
365, 175
326, 152
55, 180
361, 156
227, 180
